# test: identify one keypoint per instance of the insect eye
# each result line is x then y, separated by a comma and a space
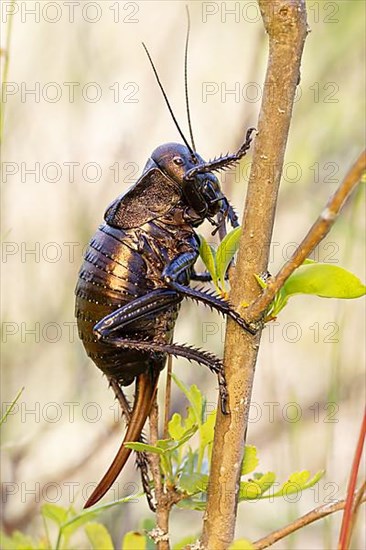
178, 160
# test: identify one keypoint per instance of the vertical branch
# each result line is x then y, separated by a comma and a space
285, 23
160, 534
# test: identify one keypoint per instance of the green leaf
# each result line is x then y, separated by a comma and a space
19, 541
6, 541
55, 513
297, 482
254, 489
67, 528
250, 461
146, 525
194, 397
183, 543
134, 541
193, 483
260, 281
207, 429
99, 536
249, 490
166, 445
226, 251
144, 447
279, 302
175, 427
190, 461
241, 544
170, 445
193, 503
324, 280
179, 428
186, 437
265, 481
190, 420
208, 254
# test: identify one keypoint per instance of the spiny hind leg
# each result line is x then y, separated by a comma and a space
178, 350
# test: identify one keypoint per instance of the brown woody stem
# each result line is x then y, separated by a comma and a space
285, 23
160, 535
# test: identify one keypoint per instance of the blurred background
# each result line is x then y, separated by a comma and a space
82, 114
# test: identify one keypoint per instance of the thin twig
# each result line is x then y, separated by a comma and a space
310, 517
168, 395
346, 528
357, 504
285, 23
315, 235
160, 534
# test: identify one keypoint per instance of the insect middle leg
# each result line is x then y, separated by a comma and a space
184, 262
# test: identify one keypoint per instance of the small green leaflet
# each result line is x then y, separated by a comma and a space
217, 261
163, 445
241, 544
297, 482
177, 427
193, 483
182, 544
192, 503
68, 520
194, 397
134, 541
325, 280
144, 447
20, 541
99, 536
250, 461
225, 252
55, 513
208, 255
254, 489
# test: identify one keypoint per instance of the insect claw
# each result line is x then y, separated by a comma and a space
224, 405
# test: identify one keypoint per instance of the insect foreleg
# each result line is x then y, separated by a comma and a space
223, 162
204, 277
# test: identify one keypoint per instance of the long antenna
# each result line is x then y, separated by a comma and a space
167, 102
186, 79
